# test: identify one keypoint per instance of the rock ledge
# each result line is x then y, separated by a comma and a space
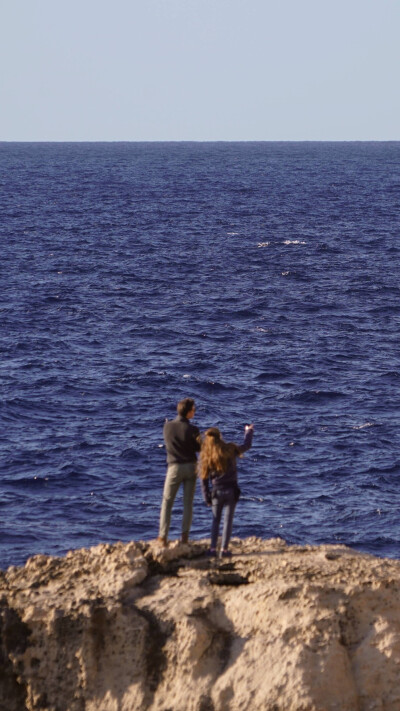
132, 626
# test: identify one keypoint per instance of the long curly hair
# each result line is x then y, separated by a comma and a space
215, 453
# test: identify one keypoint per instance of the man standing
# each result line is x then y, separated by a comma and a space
182, 441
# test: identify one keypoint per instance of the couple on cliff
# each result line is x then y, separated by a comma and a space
217, 470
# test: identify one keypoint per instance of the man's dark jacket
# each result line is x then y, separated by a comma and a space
182, 440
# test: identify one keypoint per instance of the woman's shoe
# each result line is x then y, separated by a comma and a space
211, 553
226, 554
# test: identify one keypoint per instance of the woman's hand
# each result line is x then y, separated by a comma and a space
249, 427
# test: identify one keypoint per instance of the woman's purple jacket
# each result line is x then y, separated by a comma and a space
228, 479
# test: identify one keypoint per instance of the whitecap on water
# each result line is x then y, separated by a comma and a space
263, 244
361, 427
293, 241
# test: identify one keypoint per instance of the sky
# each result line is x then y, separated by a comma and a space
199, 70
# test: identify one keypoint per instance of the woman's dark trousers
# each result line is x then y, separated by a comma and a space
222, 499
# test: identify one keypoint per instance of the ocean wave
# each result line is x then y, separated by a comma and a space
310, 397
131, 453
277, 374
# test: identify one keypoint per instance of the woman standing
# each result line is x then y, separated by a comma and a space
218, 474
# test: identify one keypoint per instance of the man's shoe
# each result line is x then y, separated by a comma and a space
162, 541
211, 553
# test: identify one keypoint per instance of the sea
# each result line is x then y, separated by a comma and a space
261, 279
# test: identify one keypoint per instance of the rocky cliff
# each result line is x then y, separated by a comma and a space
130, 626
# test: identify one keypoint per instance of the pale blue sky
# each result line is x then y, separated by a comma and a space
138, 70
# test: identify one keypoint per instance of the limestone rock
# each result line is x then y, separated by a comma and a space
133, 626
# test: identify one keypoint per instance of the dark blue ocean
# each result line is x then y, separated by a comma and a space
262, 279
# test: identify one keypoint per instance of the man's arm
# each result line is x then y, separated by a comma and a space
197, 438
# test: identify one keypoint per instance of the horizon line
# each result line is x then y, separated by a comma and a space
197, 140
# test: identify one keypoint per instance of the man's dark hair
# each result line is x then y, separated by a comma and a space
185, 406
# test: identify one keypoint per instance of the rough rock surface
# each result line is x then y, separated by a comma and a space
131, 626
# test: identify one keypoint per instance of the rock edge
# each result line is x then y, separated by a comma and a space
132, 626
